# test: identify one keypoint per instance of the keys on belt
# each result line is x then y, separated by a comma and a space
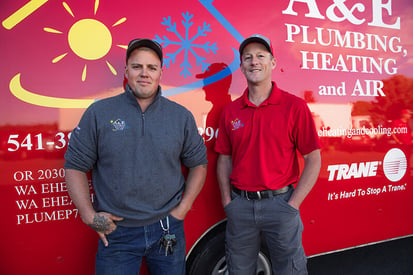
258, 195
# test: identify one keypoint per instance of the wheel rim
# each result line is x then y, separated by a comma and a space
263, 266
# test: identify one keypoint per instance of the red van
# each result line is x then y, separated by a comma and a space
350, 60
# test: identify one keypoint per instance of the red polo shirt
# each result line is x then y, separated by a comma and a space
263, 141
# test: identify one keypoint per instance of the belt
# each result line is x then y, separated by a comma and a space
258, 195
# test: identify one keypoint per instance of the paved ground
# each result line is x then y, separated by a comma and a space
389, 258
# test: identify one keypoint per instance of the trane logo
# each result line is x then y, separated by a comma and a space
355, 170
394, 167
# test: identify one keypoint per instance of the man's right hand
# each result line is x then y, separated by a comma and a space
104, 223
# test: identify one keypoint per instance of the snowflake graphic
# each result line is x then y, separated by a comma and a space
186, 44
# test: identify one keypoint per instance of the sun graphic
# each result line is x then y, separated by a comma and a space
88, 38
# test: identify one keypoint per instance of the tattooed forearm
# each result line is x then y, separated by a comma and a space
100, 223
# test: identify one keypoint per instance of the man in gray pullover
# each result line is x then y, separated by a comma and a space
134, 144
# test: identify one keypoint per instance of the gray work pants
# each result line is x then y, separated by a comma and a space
279, 223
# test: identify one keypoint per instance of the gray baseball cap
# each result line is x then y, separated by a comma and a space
256, 38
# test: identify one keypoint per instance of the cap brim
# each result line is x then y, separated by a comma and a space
251, 40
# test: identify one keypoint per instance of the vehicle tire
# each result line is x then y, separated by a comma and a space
209, 258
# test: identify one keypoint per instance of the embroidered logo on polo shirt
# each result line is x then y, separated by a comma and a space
118, 125
236, 124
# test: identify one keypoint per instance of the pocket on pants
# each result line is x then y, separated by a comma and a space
283, 199
287, 206
113, 233
175, 219
231, 203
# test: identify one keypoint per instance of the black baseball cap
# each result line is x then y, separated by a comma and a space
144, 42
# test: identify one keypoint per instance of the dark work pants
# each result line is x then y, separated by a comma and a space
278, 222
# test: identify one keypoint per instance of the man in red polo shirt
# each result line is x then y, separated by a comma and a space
259, 136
